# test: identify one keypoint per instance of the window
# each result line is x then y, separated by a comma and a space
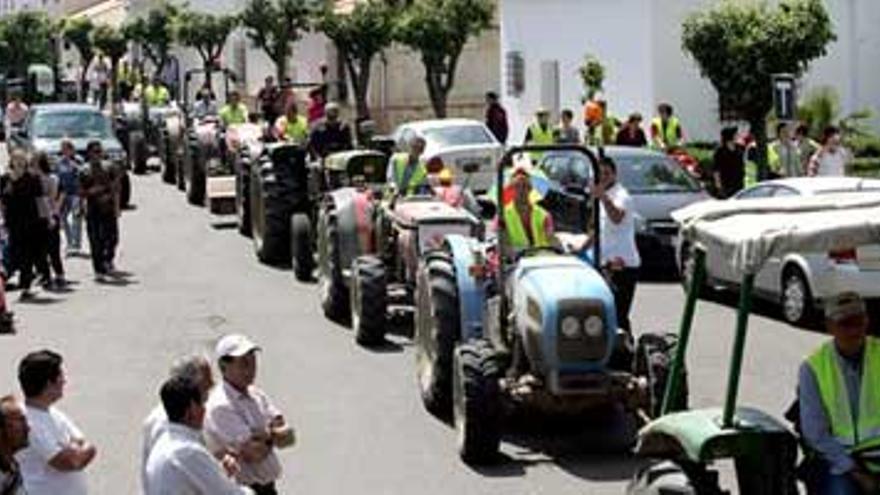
516, 70
756, 192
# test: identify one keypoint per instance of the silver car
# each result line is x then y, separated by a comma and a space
457, 142
800, 282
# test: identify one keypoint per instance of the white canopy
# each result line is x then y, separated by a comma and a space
749, 232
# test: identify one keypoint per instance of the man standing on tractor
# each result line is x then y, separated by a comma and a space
540, 133
330, 134
839, 399
234, 111
292, 127
666, 131
620, 256
408, 172
526, 223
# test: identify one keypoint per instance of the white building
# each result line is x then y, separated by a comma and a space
639, 42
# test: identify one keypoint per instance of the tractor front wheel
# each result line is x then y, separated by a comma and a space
653, 361
301, 246
476, 402
334, 295
368, 300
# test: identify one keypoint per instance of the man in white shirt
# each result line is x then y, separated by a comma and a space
179, 463
58, 453
16, 113
620, 256
13, 438
241, 419
832, 158
198, 369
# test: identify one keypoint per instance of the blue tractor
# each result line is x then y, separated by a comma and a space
535, 331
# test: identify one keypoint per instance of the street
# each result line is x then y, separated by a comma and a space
360, 424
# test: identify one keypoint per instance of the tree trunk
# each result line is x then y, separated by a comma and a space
758, 125
360, 81
114, 85
209, 75
280, 68
81, 96
436, 91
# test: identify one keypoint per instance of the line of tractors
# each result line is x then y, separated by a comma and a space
497, 333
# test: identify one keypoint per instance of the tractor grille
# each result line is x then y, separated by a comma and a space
584, 345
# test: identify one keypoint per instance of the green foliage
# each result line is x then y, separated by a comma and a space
26, 37
821, 108
110, 41
78, 32
156, 33
866, 167
206, 33
438, 31
359, 36
592, 74
739, 45
274, 25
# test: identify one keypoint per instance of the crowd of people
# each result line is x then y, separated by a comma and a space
43, 199
203, 438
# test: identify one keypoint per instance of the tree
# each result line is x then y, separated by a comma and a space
739, 46
207, 34
274, 25
113, 44
438, 31
155, 33
359, 36
592, 74
28, 38
78, 32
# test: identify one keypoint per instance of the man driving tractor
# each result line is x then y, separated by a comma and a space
527, 224
839, 399
292, 127
408, 172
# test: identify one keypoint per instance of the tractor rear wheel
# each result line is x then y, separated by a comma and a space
137, 152
368, 298
243, 202
301, 246
476, 402
653, 360
334, 294
437, 331
661, 479
195, 194
125, 190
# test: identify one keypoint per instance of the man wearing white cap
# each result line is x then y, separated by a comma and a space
241, 419
839, 396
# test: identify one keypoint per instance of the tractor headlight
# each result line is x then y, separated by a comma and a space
571, 327
593, 327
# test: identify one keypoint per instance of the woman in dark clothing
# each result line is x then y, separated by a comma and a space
631, 134
50, 209
728, 164
20, 193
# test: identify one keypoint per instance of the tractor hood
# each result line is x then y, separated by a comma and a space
565, 313
428, 209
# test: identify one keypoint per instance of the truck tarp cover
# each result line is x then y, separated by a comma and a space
749, 232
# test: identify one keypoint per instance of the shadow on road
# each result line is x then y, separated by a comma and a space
38, 300
225, 224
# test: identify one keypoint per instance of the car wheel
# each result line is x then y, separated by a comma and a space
797, 300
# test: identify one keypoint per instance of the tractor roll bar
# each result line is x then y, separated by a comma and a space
228, 74
502, 228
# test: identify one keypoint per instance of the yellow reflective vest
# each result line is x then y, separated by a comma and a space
857, 432
667, 137
156, 96
233, 114
296, 132
417, 179
540, 136
516, 232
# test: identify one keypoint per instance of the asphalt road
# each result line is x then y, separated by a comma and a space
360, 423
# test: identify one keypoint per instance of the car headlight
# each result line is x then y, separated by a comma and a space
571, 327
593, 327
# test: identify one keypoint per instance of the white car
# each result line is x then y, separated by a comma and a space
800, 282
457, 142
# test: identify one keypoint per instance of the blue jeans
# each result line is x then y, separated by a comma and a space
838, 484
71, 222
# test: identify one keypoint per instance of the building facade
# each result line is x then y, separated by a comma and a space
639, 42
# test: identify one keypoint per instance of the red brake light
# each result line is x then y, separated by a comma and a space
843, 255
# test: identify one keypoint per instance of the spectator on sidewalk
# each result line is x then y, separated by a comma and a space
69, 168
728, 164
832, 158
783, 155
100, 190
54, 462
267, 98
16, 112
631, 134
806, 145
196, 368
317, 108
179, 463
50, 210
566, 132
242, 419
496, 117
13, 437
20, 192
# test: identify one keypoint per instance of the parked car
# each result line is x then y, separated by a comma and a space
48, 124
657, 184
801, 282
456, 142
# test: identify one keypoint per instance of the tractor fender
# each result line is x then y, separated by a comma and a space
471, 293
354, 216
698, 436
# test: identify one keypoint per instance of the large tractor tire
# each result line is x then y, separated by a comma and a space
243, 201
169, 159
195, 192
437, 331
368, 300
125, 191
476, 402
333, 292
653, 360
137, 151
301, 246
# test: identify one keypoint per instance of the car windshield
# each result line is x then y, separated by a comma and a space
72, 125
639, 174
459, 135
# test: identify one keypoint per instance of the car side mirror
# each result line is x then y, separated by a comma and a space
487, 208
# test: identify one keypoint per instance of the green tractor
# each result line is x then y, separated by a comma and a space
764, 450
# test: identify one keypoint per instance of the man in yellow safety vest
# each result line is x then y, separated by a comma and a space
408, 172
234, 111
540, 133
839, 398
156, 93
292, 127
666, 131
526, 223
